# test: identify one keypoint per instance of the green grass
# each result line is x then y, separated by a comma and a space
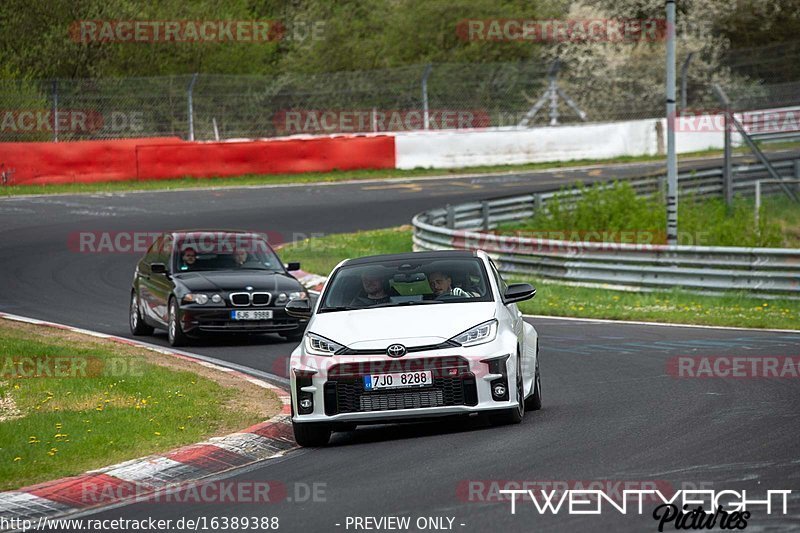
72, 424
334, 176
616, 214
320, 255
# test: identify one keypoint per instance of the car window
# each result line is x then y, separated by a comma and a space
164, 251
407, 282
225, 251
152, 252
501, 283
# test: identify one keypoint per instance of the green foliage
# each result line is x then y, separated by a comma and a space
601, 212
352, 35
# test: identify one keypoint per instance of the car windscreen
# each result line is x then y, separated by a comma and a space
224, 251
407, 282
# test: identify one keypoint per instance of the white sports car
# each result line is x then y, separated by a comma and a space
395, 338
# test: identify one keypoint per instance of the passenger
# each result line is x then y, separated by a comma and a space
240, 257
375, 290
442, 285
189, 258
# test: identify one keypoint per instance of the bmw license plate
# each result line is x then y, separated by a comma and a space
398, 380
251, 315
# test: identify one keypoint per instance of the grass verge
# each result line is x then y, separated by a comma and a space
316, 177
320, 255
71, 403
614, 213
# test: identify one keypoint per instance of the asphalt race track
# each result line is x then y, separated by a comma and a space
613, 412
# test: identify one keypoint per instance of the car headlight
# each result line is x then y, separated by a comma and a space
480, 334
317, 345
284, 298
201, 299
195, 298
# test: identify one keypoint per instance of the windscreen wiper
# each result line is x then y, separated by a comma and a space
412, 302
340, 308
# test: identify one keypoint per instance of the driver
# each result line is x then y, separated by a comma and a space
242, 258
189, 258
442, 285
375, 290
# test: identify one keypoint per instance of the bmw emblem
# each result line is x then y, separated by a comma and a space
396, 350
248, 288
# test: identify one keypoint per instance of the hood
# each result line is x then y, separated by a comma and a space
411, 325
233, 280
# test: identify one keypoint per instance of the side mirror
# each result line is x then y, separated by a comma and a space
518, 292
299, 309
158, 268
291, 267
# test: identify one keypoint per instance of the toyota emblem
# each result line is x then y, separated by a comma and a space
396, 350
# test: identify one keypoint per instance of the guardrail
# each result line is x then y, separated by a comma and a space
767, 272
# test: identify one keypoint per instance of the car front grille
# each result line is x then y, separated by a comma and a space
390, 401
453, 384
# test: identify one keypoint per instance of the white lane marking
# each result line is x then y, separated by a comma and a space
660, 324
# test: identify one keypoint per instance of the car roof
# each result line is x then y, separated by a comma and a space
411, 256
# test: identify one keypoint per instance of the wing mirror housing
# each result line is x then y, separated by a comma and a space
158, 268
291, 267
299, 308
518, 292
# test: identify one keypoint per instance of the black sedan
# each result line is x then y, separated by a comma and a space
196, 282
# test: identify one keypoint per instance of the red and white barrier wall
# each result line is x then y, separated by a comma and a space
167, 158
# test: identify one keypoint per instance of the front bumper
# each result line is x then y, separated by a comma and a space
463, 381
197, 320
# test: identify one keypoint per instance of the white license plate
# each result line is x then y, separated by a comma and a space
251, 315
398, 380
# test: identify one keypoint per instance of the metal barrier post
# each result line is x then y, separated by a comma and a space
425, 112
797, 175
485, 214
191, 110
758, 201
451, 217
55, 111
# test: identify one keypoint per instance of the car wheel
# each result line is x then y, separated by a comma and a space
515, 414
175, 333
534, 401
311, 435
135, 321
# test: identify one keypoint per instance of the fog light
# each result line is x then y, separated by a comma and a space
306, 403
499, 388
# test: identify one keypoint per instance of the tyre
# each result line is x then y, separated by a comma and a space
175, 333
135, 321
311, 435
515, 414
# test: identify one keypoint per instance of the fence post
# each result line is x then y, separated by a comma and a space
55, 111
537, 202
191, 109
485, 214
425, 111
797, 174
451, 217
